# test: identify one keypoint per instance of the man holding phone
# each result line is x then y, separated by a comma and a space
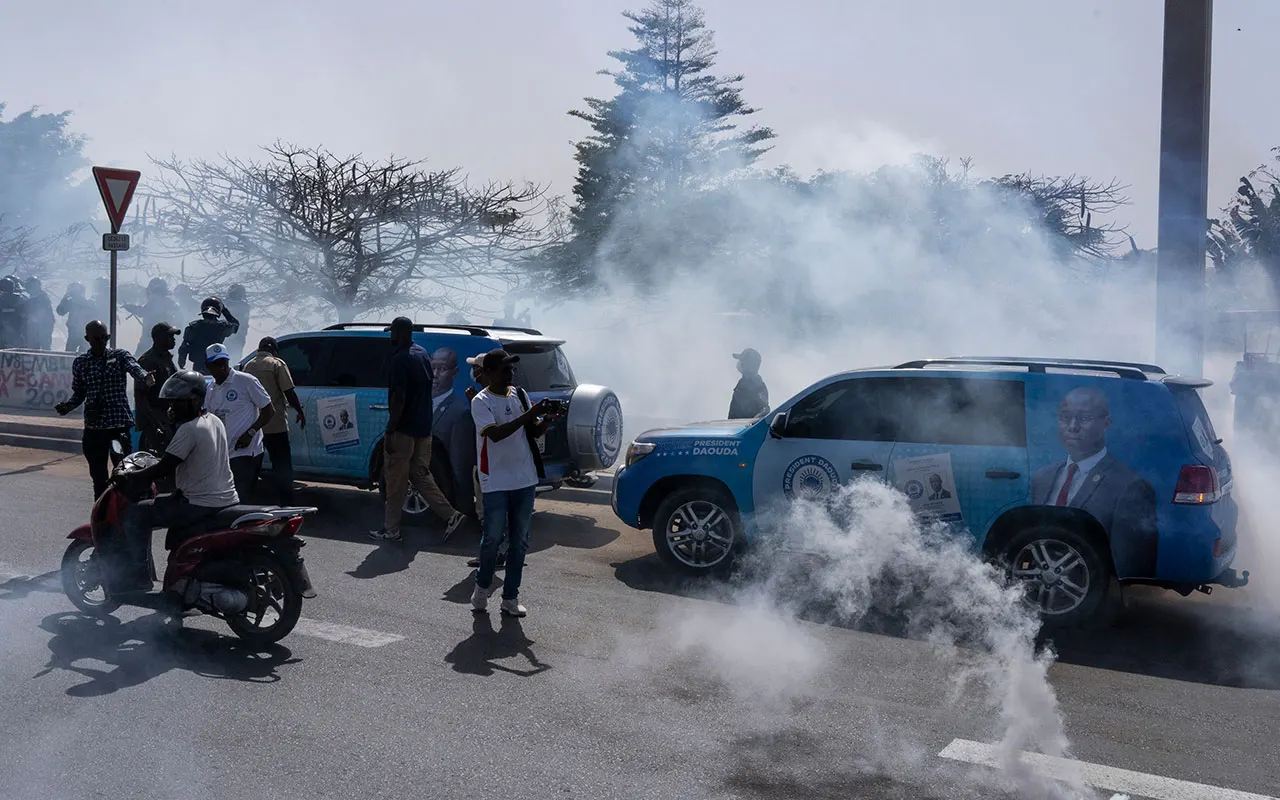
510, 466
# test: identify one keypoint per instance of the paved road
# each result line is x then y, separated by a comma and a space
620, 684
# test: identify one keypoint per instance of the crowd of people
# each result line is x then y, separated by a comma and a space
28, 316
210, 428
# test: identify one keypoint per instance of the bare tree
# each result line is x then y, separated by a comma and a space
305, 227
1064, 208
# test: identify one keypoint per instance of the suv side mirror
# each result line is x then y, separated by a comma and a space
778, 427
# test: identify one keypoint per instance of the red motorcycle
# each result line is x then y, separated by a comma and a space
242, 565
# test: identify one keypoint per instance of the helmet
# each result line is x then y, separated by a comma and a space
75, 289
235, 292
211, 304
158, 286
184, 385
9, 285
33, 283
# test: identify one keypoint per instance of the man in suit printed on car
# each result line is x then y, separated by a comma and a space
1094, 481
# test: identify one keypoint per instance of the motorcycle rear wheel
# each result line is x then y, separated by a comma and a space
82, 581
271, 590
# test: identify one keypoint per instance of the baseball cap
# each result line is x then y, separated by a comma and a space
477, 360
216, 351
161, 328
496, 358
747, 354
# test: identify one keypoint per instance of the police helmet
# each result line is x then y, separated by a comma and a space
211, 305
184, 385
158, 286
9, 285
75, 289
235, 292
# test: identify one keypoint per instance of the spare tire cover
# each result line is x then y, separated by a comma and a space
594, 427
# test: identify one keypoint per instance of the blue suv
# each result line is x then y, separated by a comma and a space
1071, 473
341, 378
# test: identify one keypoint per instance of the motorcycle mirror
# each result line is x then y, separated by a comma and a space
116, 447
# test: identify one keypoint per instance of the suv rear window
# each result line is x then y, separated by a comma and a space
542, 367
1196, 419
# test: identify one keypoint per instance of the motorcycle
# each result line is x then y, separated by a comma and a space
242, 565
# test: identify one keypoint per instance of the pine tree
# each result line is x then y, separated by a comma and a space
671, 130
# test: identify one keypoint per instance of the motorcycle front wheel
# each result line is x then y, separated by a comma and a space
274, 602
82, 580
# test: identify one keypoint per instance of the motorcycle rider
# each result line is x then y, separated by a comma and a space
79, 311
198, 459
40, 319
239, 303
13, 313
159, 308
206, 330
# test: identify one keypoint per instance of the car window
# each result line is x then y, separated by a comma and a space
303, 355
958, 411
849, 410
358, 361
542, 367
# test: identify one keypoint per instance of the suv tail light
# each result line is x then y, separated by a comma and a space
1197, 485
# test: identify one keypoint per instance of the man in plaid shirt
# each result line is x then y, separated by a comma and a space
98, 381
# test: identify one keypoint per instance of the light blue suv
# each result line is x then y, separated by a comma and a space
1073, 473
341, 378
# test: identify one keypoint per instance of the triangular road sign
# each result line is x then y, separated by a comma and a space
116, 187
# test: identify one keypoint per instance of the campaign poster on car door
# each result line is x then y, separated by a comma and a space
338, 427
930, 485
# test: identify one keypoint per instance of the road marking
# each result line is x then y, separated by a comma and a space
346, 634
1099, 776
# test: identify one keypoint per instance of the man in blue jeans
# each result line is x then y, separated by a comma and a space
507, 426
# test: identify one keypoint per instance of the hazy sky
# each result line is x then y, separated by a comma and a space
1054, 86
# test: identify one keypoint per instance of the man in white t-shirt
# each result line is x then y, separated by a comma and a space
510, 467
197, 459
244, 406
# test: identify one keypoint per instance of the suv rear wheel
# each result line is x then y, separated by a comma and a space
1066, 576
697, 531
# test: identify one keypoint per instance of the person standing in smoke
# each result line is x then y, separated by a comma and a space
206, 330
79, 312
101, 298
160, 309
40, 319
238, 304
151, 417
750, 396
185, 298
13, 313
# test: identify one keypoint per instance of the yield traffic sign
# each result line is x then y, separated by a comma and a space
116, 187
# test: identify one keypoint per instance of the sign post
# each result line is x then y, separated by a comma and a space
116, 187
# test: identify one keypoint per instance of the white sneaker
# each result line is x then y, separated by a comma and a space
480, 597
512, 608
454, 523
384, 535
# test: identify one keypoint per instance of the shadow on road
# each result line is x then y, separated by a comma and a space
148, 647
1160, 634
479, 653
18, 588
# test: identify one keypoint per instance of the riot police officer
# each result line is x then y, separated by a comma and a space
13, 313
160, 307
40, 319
238, 303
80, 311
205, 330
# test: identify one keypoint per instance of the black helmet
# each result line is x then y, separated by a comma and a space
235, 292
158, 286
75, 288
9, 285
184, 385
211, 304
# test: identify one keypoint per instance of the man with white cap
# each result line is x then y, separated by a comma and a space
244, 406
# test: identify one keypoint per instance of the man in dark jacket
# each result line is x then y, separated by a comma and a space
151, 416
160, 309
40, 319
13, 313
79, 311
204, 331
750, 396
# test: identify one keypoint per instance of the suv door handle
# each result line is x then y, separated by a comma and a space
871, 465
379, 408
1003, 473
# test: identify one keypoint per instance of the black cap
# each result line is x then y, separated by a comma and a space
496, 358
401, 324
161, 328
269, 344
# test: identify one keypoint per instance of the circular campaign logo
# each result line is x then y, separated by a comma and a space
232, 394
330, 421
609, 431
914, 489
809, 478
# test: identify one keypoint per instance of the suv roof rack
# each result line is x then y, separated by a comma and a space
1123, 369
474, 330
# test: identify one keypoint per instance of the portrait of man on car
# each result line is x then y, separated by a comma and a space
1093, 480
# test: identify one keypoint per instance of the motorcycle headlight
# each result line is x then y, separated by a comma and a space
639, 450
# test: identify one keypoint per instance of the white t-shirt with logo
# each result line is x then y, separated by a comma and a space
204, 476
506, 465
237, 401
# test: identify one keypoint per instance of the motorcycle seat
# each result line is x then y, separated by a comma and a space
222, 519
